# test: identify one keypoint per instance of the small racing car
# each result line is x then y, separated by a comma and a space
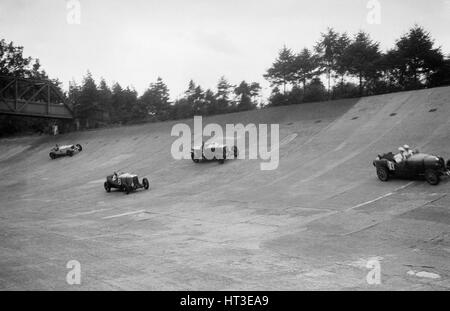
418, 165
125, 182
66, 150
214, 151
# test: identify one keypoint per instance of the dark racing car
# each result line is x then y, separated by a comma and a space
418, 165
125, 182
66, 150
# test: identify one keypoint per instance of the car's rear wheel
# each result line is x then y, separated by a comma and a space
224, 156
193, 158
235, 152
145, 183
432, 177
107, 186
69, 153
382, 173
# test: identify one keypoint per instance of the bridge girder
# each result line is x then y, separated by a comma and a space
34, 98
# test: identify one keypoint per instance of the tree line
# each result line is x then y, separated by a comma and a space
337, 66
355, 66
124, 106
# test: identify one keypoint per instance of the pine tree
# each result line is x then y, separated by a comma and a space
282, 71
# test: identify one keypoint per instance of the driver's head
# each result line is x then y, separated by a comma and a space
406, 147
401, 149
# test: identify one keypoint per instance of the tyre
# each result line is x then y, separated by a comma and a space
52, 155
224, 156
235, 152
79, 147
69, 153
127, 190
145, 183
107, 186
432, 177
382, 173
193, 158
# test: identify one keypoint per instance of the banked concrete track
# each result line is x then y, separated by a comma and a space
314, 223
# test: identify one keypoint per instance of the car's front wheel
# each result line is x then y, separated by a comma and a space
107, 186
432, 177
145, 183
79, 147
52, 155
193, 158
382, 173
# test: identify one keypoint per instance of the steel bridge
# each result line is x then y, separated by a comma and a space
33, 98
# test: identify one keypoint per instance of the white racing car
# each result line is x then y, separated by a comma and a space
214, 151
66, 150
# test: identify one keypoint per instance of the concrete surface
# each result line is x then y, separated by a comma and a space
314, 223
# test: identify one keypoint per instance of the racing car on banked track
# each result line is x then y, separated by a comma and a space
125, 182
430, 167
66, 150
211, 151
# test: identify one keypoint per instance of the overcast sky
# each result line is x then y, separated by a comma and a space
133, 42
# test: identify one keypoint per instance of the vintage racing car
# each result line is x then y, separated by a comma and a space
214, 151
430, 167
66, 150
125, 182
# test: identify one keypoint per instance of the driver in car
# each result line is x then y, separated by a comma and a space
115, 176
408, 151
401, 156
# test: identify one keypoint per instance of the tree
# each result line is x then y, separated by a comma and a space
12, 61
277, 99
305, 66
362, 57
156, 100
223, 95
326, 48
415, 59
116, 102
199, 104
210, 102
191, 88
105, 97
315, 91
442, 75
246, 94
130, 109
282, 71
196, 99
340, 66
87, 98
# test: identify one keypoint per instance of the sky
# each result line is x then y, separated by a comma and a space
134, 42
